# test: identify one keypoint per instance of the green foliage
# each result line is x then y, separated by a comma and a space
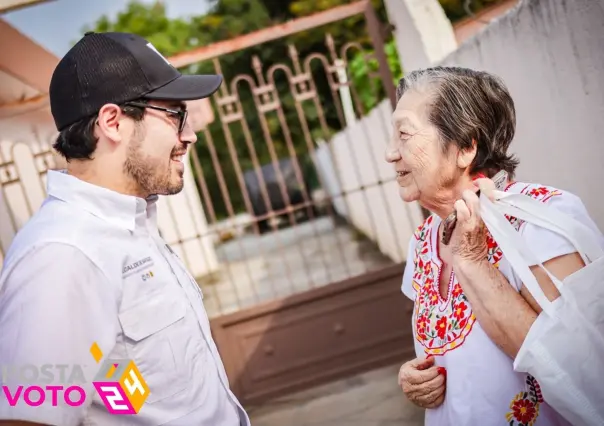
364, 72
169, 36
455, 8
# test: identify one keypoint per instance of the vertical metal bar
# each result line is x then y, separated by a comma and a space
264, 104
227, 200
333, 69
201, 181
293, 155
301, 85
374, 28
227, 100
335, 98
207, 201
263, 189
234, 159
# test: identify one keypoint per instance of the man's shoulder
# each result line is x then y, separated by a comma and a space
60, 222
57, 228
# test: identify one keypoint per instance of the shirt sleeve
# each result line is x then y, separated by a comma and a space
546, 244
54, 304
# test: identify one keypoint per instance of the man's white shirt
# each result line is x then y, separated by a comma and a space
90, 267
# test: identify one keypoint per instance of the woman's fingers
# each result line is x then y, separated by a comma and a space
487, 187
469, 239
430, 393
419, 377
429, 399
473, 205
438, 401
431, 385
463, 213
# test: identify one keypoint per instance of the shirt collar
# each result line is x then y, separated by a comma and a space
122, 210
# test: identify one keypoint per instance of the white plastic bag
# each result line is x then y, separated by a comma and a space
564, 349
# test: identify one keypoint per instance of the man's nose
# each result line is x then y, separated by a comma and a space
188, 135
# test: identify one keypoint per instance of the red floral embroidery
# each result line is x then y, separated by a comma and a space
524, 408
440, 325
460, 309
493, 251
457, 291
443, 325
525, 411
539, 193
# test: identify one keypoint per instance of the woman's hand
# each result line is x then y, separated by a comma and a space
469, 239
423, 382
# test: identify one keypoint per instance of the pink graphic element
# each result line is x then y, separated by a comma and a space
35, 396
12, 399
114, 398
55, 394
67, 397
116, 365
29, 400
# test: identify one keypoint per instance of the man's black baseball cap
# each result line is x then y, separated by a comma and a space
115, 68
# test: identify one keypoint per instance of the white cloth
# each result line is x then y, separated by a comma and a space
564, 347
89, 267
482, 387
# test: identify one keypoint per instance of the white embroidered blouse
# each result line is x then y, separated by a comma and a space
481, 388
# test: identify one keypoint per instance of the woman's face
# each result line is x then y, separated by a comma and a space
424, 171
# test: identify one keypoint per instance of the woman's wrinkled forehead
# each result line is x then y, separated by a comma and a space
413, 109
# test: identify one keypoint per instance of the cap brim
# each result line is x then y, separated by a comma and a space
187, 88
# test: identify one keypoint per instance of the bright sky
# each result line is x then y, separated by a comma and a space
56, 24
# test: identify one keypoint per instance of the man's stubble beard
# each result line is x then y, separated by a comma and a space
152, 176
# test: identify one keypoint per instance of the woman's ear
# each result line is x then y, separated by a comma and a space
466, 156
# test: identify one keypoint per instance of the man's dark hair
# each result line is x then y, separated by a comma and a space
78, 141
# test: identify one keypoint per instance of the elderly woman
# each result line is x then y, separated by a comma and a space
452, 131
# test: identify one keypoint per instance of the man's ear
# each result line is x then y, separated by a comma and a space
108, 122
466, 156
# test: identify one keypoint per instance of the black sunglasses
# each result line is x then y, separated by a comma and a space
181, 114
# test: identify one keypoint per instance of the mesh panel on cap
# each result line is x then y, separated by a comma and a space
95, 72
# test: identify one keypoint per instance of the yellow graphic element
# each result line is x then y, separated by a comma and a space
111, 371
151, 273
96, 352
134, 386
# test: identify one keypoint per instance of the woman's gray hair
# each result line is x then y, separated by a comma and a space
468, 105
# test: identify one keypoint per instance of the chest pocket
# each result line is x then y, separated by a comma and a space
151, 332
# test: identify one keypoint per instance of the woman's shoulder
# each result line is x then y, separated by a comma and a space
537, 191
549, 244
560, 199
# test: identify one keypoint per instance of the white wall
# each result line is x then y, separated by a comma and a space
550, 54
423, 34
355, 158
180, 217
